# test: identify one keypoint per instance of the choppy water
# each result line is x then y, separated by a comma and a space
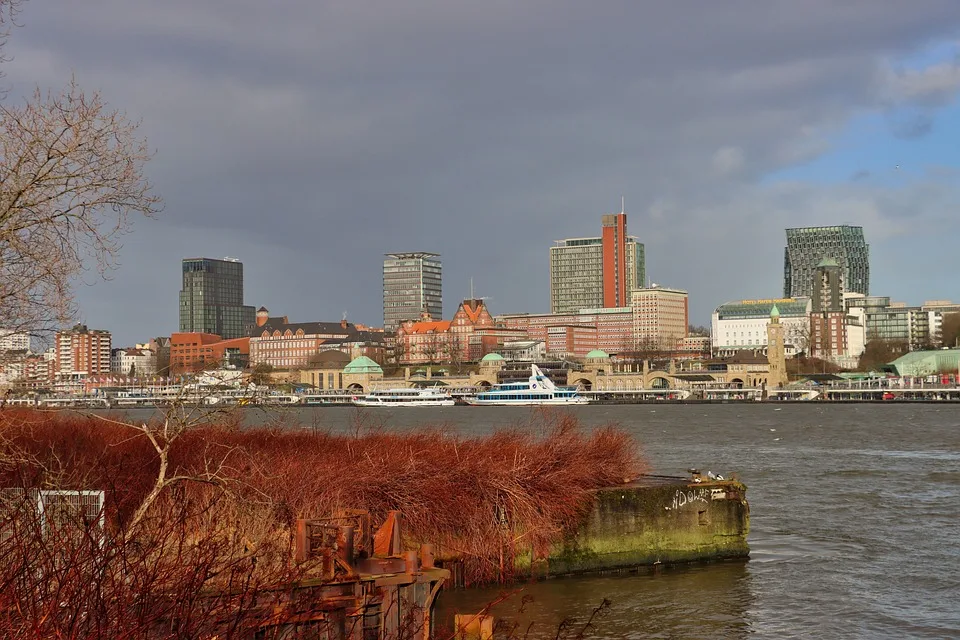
855, 523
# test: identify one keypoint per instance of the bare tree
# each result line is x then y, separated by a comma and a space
71, 180
950, 330
798, 335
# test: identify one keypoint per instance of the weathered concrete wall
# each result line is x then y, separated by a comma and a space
657, 520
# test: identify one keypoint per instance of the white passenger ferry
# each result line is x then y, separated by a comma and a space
430, 397
537, 390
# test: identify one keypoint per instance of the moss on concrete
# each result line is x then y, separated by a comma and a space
651, 523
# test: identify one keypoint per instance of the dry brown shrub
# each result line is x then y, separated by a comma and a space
484, 499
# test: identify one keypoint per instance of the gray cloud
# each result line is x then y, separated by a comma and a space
311, 139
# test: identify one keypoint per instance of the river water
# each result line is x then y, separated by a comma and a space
855, 522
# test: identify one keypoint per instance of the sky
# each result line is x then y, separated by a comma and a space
308, 138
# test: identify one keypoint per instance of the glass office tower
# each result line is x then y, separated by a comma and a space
211, 299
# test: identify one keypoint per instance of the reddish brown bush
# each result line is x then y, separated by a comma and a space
483, 499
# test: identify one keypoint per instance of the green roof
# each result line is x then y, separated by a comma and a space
774, 313
597, 353
491, 357
926, 363
363, 364
747, 309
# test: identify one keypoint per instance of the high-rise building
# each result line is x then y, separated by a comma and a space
81, 352
412, 285
828, 337
211, 300
807, 246
594, 273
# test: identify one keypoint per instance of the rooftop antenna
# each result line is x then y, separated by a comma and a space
471, 289
621, 204
344, 316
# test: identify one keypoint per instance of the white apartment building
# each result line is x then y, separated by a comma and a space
14, 340
140, 361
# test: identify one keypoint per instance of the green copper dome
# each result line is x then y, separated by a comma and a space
597, 353
363, 364
491, 357
774, 312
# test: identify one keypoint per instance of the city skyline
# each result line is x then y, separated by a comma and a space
307, 153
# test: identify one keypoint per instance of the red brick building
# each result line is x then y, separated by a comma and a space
610, 330
192, 352
468, 336
291, 345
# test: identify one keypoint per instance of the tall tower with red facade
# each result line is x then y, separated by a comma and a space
614, 243
595, 273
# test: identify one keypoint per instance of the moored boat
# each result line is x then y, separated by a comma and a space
537, 390
428, 397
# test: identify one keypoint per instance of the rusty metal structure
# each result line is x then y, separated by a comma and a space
368, 587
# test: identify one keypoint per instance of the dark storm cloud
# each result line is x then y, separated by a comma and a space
318, 136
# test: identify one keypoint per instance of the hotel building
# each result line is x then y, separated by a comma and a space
742, 325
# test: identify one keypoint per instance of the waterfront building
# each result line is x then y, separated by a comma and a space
593, 273
742, 325
661, 317
137, 361
282, 344
412, 284
81, 352
325, 370
807, 246
211, 299
362, 375
193, 352
938, 362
